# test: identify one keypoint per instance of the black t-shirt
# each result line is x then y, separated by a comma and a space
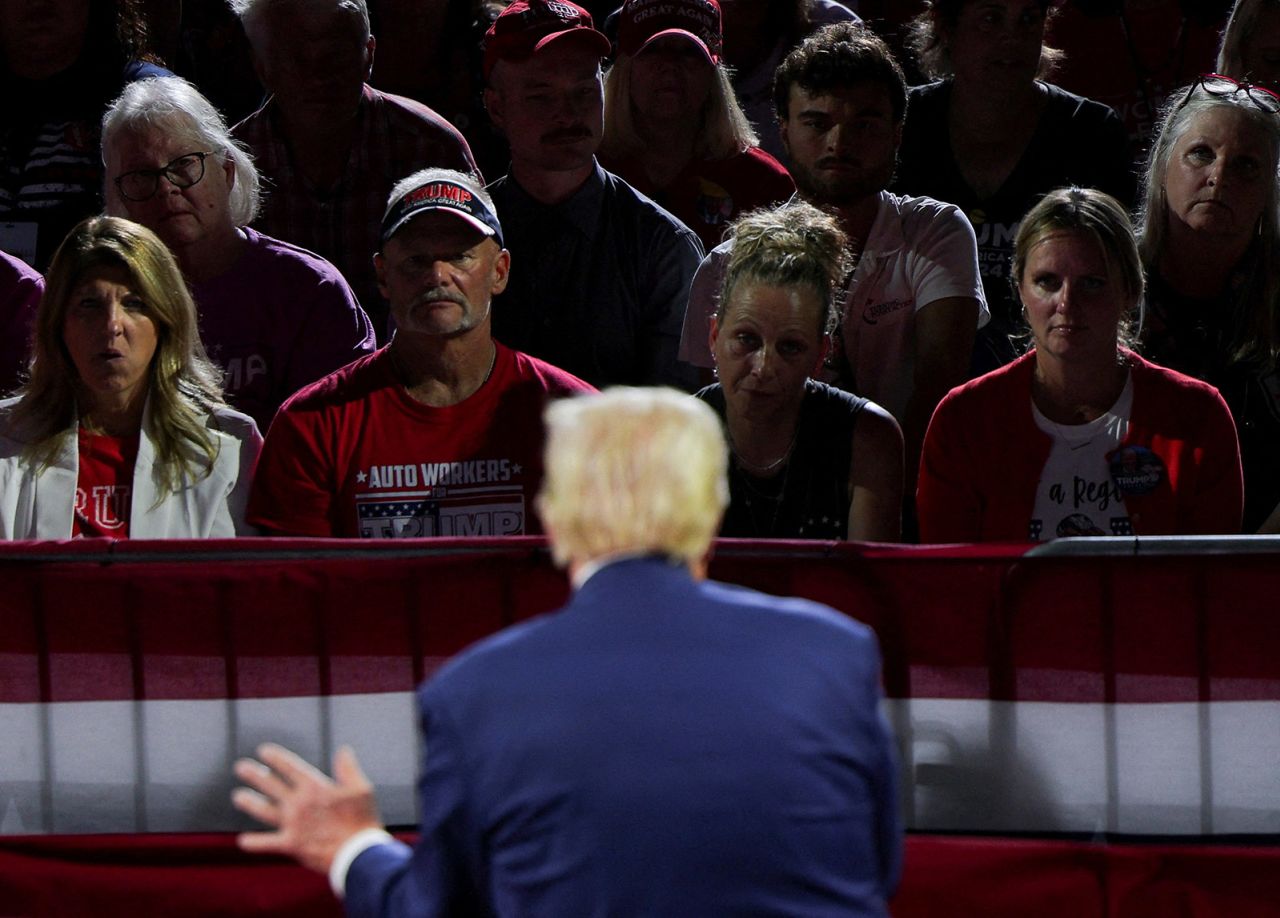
1194, 336
1076, 142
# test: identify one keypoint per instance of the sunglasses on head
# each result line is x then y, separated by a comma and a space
1215, 84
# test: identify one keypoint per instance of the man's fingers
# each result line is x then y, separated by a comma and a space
292, 766
263, 843
254, 804
261, 778
346, 769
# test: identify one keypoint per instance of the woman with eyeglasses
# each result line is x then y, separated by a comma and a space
992, 135
1080, 436
274, 317
121, 431
1209, 230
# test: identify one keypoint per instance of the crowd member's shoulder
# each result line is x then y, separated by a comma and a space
834, 399
294, 260
763, 165
921, 215
350, 383
651, 216
16, 273
994, 387
1174, 390
233, 423
825, 12
550, 378
405, 114
926, 99
792, 615
1076, 109
7, 406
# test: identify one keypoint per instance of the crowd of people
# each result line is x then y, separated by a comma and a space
982, 307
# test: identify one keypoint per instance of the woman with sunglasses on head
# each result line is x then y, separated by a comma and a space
1080, 436
121, 431
274, 316
1209, 230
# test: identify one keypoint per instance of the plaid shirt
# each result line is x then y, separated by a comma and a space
395, 137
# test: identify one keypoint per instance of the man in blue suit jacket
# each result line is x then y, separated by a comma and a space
662, 746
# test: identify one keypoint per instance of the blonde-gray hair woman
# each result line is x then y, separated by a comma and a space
121, 431
1209, 234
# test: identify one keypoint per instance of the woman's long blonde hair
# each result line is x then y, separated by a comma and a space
723, 130
183, 384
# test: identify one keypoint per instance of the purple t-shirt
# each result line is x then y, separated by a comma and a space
280, 318
21, 287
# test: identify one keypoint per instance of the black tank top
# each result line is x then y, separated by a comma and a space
808, 498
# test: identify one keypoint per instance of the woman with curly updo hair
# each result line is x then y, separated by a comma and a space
807, 461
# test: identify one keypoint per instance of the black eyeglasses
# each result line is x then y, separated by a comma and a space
1215, 84
142, 184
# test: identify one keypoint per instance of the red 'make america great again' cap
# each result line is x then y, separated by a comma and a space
527, 26
642, 21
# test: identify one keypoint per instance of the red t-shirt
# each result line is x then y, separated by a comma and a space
104, 486
710, 194
354, 456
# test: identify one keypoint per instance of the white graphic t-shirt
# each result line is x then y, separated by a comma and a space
1077, 494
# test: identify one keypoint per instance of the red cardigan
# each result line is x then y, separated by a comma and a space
983, 455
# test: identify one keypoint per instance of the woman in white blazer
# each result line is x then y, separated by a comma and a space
121, 431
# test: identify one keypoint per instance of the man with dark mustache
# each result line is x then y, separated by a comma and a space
605, 271
440, 432
914, 302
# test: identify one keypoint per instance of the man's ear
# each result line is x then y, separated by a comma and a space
493, 105
259, 70
501, 271
369, 47
712, 334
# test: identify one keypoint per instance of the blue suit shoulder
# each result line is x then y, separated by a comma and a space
649, 599
791, 611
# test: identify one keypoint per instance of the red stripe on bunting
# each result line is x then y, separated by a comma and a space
292, 618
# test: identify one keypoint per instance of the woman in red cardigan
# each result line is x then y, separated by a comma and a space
1080, 436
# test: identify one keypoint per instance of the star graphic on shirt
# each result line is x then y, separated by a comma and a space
360, 477
516, 468
215, 351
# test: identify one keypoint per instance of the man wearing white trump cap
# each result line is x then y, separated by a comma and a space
439, 433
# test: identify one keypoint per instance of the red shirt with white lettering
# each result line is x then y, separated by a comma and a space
354, 456
104, 488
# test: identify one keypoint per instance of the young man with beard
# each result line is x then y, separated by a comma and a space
440, 432
914, 302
